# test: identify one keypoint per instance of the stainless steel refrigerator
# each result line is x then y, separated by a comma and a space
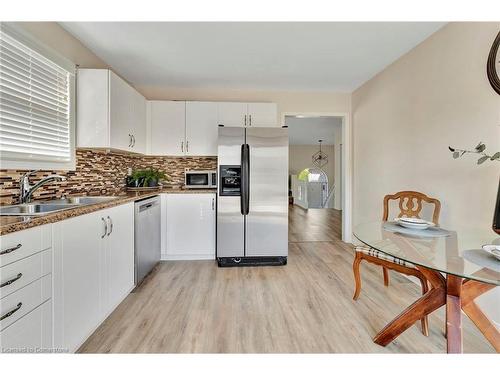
252, 196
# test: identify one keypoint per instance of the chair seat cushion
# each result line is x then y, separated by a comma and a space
380, 255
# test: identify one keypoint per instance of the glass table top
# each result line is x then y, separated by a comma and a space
457, 252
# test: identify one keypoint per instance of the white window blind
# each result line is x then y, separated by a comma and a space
35, 116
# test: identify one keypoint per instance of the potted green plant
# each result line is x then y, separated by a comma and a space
147, 177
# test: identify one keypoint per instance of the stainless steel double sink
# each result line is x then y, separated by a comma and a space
47, 207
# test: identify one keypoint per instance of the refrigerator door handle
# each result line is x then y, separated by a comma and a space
245, 180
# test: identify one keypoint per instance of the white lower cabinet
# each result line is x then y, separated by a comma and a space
119, 262
26, 292
78, 279
93, 271
30, 334
190, 226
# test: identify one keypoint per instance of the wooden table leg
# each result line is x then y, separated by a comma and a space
471, 290
454, 341
458, 295
429, 302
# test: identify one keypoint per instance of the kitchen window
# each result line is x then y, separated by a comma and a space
36, 105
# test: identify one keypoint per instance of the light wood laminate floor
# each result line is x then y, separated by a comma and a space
303, 307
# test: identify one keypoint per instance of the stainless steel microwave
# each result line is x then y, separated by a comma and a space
200, 179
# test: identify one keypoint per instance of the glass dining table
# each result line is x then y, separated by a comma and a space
456, 267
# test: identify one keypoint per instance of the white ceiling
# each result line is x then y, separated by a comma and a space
307, 131
337, 56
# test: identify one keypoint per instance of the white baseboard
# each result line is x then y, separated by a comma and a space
188, 257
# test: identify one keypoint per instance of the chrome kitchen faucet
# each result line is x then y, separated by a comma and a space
26, 190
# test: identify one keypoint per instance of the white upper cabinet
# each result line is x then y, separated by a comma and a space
138, 129
247, 114
183, 128
111, 113
232, 114
262, 115
121, 102
167, 127
92, 125
178, 128
201, 128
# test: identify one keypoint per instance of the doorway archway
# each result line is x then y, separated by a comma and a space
344, 160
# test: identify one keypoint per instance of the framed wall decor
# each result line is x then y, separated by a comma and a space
493, 65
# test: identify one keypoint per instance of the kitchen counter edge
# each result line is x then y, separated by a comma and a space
11, 224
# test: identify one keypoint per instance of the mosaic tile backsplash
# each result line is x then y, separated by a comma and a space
100, 172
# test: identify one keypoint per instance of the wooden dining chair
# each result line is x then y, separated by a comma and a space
410, 205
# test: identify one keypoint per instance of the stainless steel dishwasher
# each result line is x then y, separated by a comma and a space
147, 236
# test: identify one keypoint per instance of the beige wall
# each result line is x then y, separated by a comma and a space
299, 158
406, 116
55, 37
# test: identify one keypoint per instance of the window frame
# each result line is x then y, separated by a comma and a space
30, 163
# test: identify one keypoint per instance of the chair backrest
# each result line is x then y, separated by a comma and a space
410, 204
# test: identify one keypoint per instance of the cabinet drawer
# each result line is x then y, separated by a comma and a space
30, 333
24, 300
24, 272
24, 243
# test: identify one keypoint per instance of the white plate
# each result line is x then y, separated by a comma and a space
413, 220
493, 250
413, 223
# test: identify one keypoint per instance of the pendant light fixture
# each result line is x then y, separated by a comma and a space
319, 158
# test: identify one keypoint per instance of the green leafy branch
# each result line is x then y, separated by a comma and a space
147, 175
479, 149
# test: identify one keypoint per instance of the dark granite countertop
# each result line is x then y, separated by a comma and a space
11, 224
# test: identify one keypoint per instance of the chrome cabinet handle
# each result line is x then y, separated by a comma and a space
133, 140
110, 226
5, 316
213, 204
105, 227
182, 146
14, 279
250, 119
245, 120
129, 140
187, 146
11, 249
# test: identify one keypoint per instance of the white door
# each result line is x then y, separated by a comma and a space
231, 113
262, 115
168, 125
191, 226
139, 124
120, 107
201, 128
78, 278
119, 264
